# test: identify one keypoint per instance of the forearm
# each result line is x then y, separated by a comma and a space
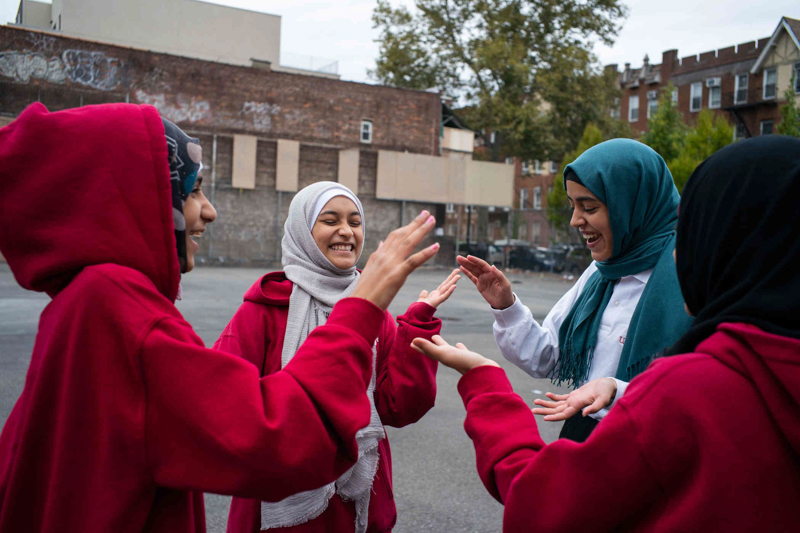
524, 342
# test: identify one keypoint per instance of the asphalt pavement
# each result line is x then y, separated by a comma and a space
436, 485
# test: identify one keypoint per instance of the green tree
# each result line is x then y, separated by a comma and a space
790, 114
524, 65
666, 132
710, 134
559, 211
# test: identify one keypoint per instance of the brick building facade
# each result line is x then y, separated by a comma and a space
215, 102
744, 83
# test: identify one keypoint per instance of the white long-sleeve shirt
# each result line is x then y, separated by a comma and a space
534, 348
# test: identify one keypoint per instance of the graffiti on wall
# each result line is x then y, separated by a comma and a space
92, 69
261, 112
184, 109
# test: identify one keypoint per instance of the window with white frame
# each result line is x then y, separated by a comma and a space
633, 108
524, 167
696, 101
615, 109
714, 92
509, 160
492, 137
797, 78
523, 198
675, 96
553, 167
537, 167
366, 131
523, 231
451, 230
536, 232
740, 94
770, 83
449, 208
766, 127
537, 197
652, 103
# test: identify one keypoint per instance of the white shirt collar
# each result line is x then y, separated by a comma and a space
642, 276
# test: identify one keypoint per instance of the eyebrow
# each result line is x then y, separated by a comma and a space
584, 199
336, 213
199, 181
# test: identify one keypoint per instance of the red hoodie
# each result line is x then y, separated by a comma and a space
708, 441
125, 418
405, 390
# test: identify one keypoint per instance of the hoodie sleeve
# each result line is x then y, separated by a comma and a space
575, 486
244, 335
406, 380
213, 424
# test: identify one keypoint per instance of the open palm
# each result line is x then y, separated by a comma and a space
490, 282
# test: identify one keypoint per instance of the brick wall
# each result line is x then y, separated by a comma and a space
214, 100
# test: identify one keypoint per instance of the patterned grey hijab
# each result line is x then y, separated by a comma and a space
185, 161
318, 285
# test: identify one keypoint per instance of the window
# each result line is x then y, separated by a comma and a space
652, 103
451, 230
615, 109
366, 131
59, 22
797, 78
714, 92
696, 101
553, 167
537, 197
523, 232
739, 132
523, 198
537, 167
766, 127
633, 109
536, 232
492, 137
770, 83
509, 160
740, 96
675, 96
524, 167
449, 208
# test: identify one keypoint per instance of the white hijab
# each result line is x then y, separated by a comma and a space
318, 285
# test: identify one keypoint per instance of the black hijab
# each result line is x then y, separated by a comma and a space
738, 243
185, 161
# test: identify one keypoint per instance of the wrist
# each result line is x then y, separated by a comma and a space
614, 391
505, 303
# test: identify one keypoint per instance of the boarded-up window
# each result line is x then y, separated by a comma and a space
288, 166
244, 162
348, 168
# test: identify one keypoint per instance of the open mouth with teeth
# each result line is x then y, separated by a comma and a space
195, 234
591, 237
342, 247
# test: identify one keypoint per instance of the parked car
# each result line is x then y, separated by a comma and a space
578, 259
527, 258
495, 255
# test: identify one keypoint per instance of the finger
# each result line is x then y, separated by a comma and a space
419, 258
543, 411
443, 296
461, 346
452, 278
428, 348
438, 340
556, 397
400, 233
479, 263
472, 277
563, 415
423, 295
545, 403
380, 244
444, 287
596, 405
410, 241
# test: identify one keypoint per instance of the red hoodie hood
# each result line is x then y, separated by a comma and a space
270, 289
771, 362
83, 187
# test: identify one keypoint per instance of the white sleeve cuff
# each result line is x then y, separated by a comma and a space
512, 315
621, 387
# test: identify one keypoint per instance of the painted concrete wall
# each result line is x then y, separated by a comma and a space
37, 14
183, 27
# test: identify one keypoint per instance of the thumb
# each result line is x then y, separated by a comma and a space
423, 295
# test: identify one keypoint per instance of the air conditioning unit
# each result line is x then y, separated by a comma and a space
713, 82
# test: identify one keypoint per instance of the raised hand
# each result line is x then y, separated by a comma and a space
491, 283
592, 397
389, 266
457, 357
442, 292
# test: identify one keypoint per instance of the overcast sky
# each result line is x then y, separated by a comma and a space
342, 30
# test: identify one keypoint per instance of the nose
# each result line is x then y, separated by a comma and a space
207, 212
345, 230
576, 221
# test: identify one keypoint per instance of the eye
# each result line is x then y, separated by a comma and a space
590, 210
355, 223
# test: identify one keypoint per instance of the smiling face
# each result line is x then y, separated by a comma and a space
338, 232
590, 216
198, 212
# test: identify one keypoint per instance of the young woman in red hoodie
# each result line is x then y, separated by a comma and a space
707, 439
125, 418
324, 234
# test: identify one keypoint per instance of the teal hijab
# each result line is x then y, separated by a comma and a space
635, 184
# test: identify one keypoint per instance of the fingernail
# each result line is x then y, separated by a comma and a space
423, 214
430, 220
435, 246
